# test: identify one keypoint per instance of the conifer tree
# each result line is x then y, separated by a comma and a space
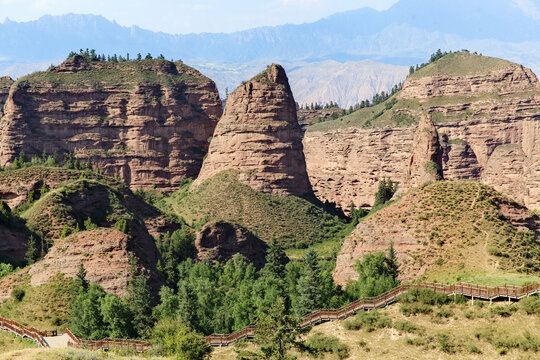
139, 298
32, 253
81, 278
310, 295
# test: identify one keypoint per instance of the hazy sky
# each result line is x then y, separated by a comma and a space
184, 16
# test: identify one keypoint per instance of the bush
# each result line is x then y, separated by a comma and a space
5, 269
368, 321
319, 344
530, 305
407, 326
504, 311
472, 348
446, 344
424, 296
18, 294
178, 340
414, 308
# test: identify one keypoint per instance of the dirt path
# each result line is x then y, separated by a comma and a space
57, 341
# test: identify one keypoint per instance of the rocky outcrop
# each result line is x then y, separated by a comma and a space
5, 84
260, 136
426, 158
220, 241
147, 121
447, 227
510, 78
477, 125
104, 254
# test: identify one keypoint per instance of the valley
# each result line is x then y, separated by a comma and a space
136, 205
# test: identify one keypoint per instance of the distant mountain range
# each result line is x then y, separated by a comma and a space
405, 34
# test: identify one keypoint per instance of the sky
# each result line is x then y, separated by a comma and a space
187, 16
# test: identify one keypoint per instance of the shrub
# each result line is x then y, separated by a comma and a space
178, 340
319, 344
424, 296
18, 294
530, 305
122, 225
407, 326
368, 321
89, 225
5, 269
472, 348
504, 311
414, 308
446, 344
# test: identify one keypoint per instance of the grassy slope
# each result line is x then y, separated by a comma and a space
462, 64
9, 343
396, 112
462, 225
57, 208
43, 307
460, 328
124, 75
289, 219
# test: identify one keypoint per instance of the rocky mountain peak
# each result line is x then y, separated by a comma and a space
259, 135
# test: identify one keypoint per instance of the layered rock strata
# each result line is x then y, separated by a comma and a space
147, 121
220, 241
259, 135
489, 130
104, 254
5, 84
426, 158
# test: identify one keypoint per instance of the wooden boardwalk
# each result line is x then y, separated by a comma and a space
469, 290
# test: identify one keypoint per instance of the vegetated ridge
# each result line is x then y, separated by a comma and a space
448, 231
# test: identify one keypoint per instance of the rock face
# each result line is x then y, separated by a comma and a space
103, 252
5, 84
489, 130
426, 159
147, 120
220, 241
260, 136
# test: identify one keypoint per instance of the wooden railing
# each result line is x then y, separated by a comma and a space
23, 331
469, 290
107, 343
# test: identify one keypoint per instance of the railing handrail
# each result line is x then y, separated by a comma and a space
474, 290
478, 291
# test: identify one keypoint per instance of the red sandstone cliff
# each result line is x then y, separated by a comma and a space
260, 136
488, 123
148, 120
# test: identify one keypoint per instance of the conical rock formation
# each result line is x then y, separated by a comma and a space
259, 135
425, 163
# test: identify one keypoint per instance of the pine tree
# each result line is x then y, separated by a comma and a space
275, 260
32, 253
139, 299
81, 278
309, 285
392, 263
277, 333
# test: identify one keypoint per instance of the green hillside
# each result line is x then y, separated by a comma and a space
294, 221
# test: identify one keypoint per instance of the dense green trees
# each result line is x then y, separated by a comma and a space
386, 190
95, 314
214, 297
377, 274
